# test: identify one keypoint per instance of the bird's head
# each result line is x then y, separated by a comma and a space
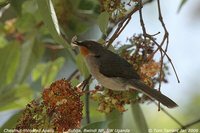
89, 47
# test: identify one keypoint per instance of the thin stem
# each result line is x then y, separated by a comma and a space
166, 35
86, 81
169, 59
87, 105
189, 125
124, 22
170, 116
178, 122
141, 19
72, 75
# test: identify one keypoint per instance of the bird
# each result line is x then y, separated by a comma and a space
116, 73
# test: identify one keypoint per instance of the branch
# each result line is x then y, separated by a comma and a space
166, 35
170, 116
169, 59
86, 81
121, 26
54, 47
141, 19
178, 122
85, 84
73, 74
145, 36
123, 23
188, 125
165, 38
87, 105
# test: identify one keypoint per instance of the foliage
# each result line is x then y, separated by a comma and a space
60, 109
181, 5
35, 51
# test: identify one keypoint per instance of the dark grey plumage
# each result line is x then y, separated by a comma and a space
111, 67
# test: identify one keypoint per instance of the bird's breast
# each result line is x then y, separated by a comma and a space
115, 83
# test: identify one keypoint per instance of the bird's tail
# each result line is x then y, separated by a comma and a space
152, 93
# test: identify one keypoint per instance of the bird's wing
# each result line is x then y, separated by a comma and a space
112, 65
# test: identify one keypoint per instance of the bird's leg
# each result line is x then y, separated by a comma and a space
84, 83
97, 88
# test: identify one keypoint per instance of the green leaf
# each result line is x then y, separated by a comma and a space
139, 124
87, 4
96, 125
102, 21
48, 71
3, 3
181, 5
11, 123
74, 82
15, 98
75, 27
30, 6
24, 59
49, 17
9, 60
82, 65
31, 54
52, 70
3, 41
38, 71
115, 118
17, 4
26, 22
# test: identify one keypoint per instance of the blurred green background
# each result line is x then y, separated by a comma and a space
34, 53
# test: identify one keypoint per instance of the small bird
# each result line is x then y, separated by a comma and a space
115, 73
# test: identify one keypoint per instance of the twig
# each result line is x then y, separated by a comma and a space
188, 125
172, 117
84, 85
166, 35
86, 81
145, 36
87, 105
141, 19
123, 23
54, 47
161, 75
169, 59
178, 122
72, 75
168, 114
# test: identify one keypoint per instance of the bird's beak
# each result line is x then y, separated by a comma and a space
74, 42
